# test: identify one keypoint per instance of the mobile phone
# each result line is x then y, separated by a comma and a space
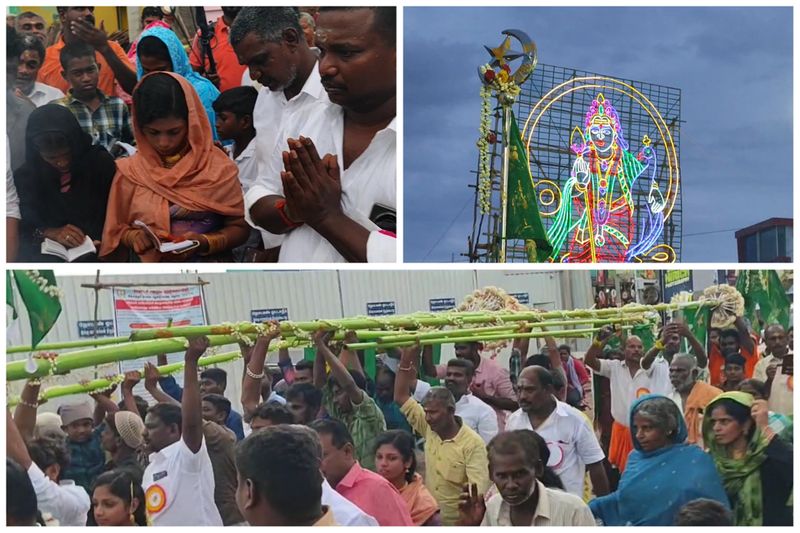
384, 217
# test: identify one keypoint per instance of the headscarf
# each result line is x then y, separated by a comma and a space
420, 502
741, 477
204, 180
656, 484
181, 66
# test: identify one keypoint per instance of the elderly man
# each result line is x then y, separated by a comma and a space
777, 346
454, 454
628, 382
689, 394
666, 347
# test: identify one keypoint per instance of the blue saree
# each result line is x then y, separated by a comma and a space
655, 485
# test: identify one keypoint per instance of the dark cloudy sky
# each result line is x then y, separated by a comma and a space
733, 65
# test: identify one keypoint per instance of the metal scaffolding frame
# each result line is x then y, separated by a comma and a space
551, 158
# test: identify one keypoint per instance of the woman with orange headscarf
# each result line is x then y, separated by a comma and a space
178, 183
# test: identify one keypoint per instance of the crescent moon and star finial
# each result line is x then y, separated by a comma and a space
502, 54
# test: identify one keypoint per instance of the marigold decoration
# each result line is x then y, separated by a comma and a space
484, 172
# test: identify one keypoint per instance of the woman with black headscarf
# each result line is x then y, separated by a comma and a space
63, 185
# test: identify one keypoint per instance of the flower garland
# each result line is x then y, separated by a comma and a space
494, 82
44, 285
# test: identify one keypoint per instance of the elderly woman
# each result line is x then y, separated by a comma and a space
756, 468
663, 473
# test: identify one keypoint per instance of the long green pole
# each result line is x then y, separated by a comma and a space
477, 338
53, 346
415, 321
105, 383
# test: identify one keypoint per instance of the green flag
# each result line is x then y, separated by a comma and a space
644, 332
698, 319
39, 294
523, 220
763, 289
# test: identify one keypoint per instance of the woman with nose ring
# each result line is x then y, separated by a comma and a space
178, 183
63, 185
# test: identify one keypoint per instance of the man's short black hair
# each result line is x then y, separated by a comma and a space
47, 451
283, 465
311, 395
735, 359
304, 365
466, 364
538, 360
565, 347
220, 403
168, 413
240, 101
729, 334
217, 375
704, 512
385, 20
76, 50
13, 44
274, 412
141, 405
336, 429
21, 504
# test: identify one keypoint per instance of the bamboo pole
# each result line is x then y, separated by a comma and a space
53, 346
570, 333
415, 321
105, 383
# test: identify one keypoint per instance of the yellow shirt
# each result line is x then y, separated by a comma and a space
449, 464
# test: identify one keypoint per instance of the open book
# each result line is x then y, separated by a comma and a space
51, 247
165, 247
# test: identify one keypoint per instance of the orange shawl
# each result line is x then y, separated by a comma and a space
204, 180
701, 395
419, 500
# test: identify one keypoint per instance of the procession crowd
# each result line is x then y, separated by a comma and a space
682, 432
269, 136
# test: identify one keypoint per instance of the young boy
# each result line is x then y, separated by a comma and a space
87, 459
234, 122
104, 118
734, 372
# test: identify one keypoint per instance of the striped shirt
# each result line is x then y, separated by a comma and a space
109, 123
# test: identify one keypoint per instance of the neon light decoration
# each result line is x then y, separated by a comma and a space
591, 214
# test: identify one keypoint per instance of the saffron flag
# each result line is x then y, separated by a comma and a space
522, 219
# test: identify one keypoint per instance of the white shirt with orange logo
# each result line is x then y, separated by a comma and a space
625, 389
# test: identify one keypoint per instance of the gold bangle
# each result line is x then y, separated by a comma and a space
408, 368
658, 345
217, 242
597, 344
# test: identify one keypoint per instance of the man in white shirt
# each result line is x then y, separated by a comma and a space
568, 434
30, 61
628, 382
522, 500
776, 348
474, 412
332, 193
179, 481
269, 40
67, 502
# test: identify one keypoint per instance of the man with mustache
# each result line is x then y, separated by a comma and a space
330, 185
77, 24
573, 446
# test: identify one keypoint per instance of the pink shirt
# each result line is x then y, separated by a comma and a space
492, 380
374, 495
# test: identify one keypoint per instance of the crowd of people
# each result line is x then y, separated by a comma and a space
276, 142
695, 438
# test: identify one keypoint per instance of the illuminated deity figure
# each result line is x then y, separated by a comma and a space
599, 193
